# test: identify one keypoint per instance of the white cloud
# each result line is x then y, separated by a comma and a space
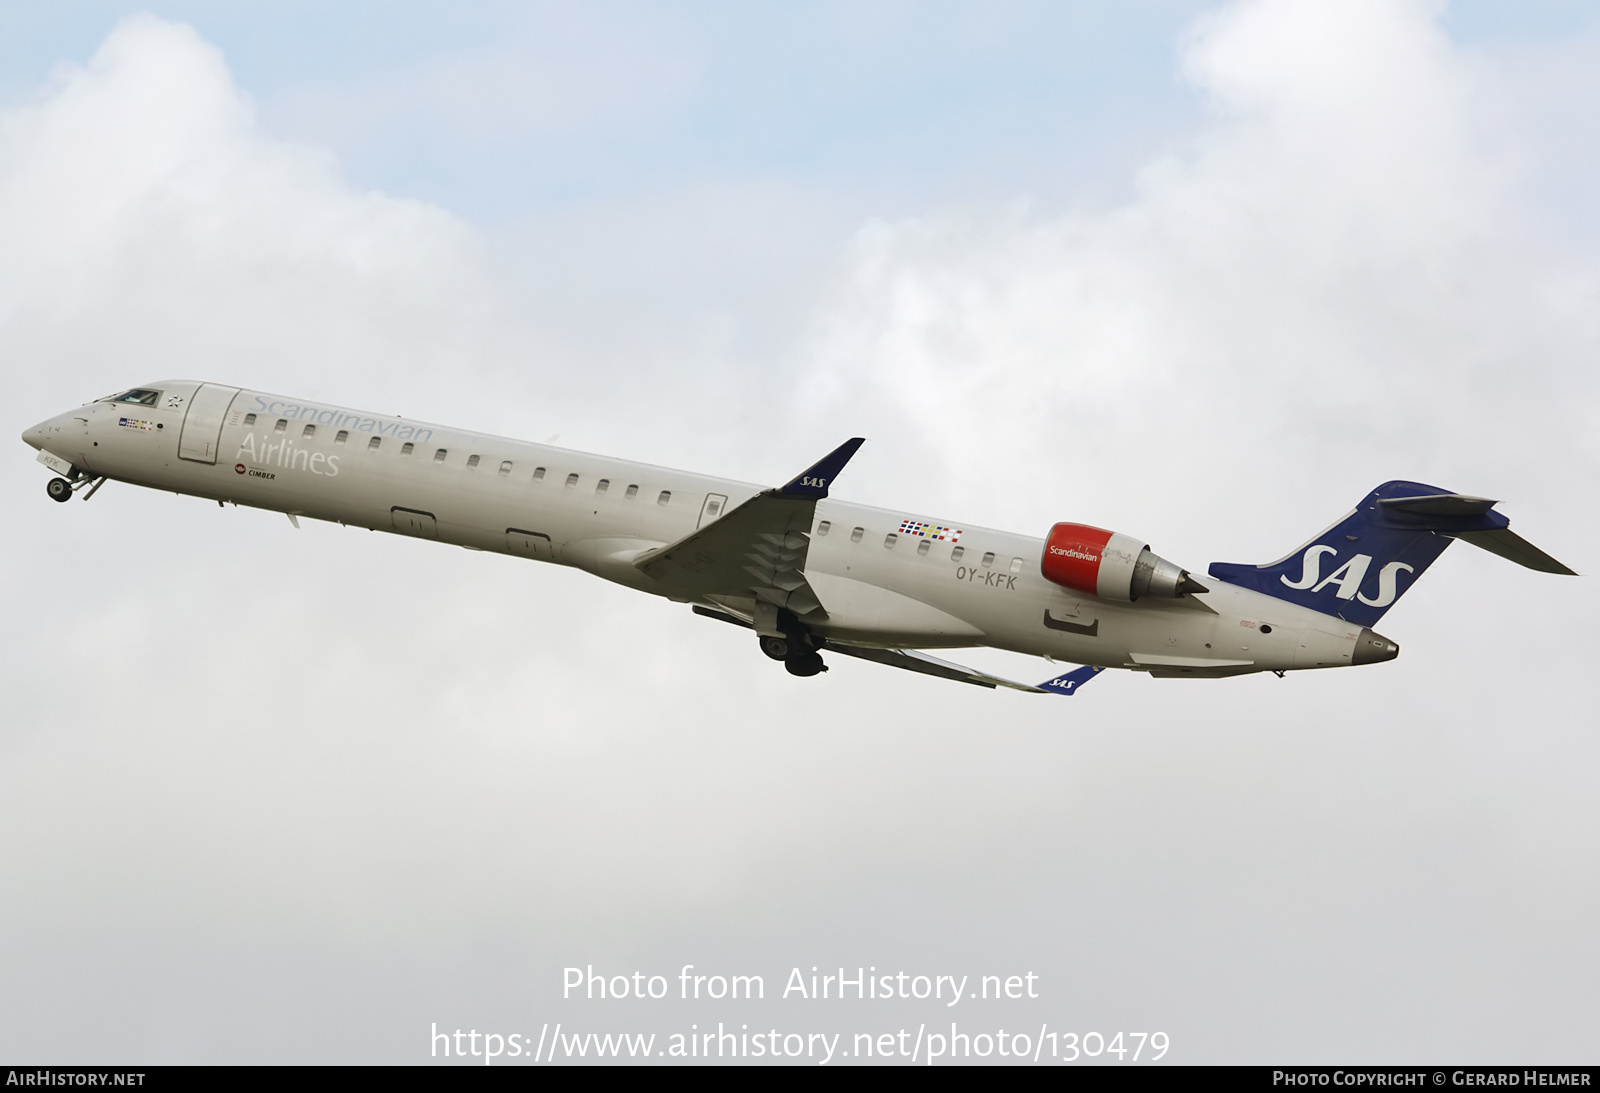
140, 207
278, 794
1330, 282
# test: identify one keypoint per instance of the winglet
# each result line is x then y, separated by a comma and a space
1068, 684
811, 484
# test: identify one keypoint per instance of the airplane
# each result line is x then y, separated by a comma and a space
806, 572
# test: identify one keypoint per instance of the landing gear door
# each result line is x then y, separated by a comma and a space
529, 544
415, 522
202, 423
714, 506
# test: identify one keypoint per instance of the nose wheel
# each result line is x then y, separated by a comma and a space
62, 489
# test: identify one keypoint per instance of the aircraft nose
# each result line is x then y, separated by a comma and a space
1373, 648
34, 437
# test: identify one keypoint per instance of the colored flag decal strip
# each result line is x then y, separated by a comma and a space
919, 529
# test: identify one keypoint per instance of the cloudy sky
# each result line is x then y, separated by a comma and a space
1202, 272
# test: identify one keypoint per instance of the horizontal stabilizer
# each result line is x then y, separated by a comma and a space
1514, 548
1437, 504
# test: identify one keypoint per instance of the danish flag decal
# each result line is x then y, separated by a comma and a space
1361, 566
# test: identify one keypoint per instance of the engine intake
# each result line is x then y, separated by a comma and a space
1111, 565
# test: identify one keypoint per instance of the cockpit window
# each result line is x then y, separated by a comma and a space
139, 396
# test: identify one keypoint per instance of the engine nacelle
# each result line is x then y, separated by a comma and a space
1111, 565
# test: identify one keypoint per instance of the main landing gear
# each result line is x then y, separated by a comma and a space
793, 644
806, 664
796, 649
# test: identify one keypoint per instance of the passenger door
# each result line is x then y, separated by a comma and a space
202, 422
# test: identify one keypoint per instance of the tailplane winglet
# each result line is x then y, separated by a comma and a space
812, 483
1068, 684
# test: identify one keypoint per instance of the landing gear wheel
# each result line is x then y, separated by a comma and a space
59, 489
806, 664
776, 648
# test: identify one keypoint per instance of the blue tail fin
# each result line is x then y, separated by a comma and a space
1363, 564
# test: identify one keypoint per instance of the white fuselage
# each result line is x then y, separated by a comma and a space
879, 587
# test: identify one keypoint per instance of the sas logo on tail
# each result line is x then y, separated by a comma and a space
1348, 577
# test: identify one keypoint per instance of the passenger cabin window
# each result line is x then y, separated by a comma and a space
665, 498
889, 541
856, 534
538, 474
633, 491
249, 419
955, 555
988, 559
405, 449
505, 467
572, 480
924, 546
341, 436
374, 443
438, 456
283, 423
140, 397
1016, 565
822, 528
602, 486
472, 462
713, 507
309, 430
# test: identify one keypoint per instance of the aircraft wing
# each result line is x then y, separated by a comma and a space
914, 661
757, 549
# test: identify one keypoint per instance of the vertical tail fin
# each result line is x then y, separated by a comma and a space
1362, 565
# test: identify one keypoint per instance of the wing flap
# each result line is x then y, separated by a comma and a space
914, 661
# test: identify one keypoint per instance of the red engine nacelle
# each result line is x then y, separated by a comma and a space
1110, 565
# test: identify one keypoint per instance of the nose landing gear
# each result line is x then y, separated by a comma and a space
62, 489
